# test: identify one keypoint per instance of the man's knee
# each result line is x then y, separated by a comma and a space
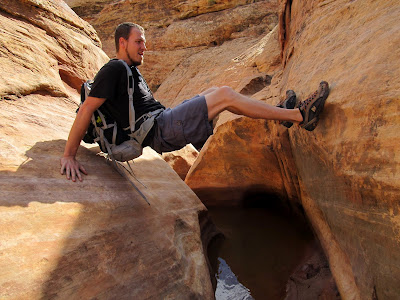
225, 93
221, 97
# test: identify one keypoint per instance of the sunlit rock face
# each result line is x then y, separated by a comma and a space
177, 30
96, 239
47, 53
239, 162
349, 166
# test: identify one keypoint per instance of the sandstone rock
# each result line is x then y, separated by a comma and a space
312, 279
181, 160
238, 160
176, 24
348, 167
97, 238
62, 39
176, 30
236, 25
159, 64
106, 14
45, 60
206, 69
245, 64
211, 29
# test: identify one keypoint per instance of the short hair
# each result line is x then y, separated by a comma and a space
124, 30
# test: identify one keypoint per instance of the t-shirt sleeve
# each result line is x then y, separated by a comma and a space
106, 82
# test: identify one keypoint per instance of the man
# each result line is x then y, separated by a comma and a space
189, 122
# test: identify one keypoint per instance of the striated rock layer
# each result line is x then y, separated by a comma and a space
97, 238
349, 166
176, 30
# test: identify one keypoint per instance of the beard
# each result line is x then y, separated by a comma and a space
135, 63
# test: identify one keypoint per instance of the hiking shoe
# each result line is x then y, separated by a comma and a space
313, 106
289, 103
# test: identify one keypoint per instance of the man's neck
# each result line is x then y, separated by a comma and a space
124, 58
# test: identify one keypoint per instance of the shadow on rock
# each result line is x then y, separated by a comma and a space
98, 238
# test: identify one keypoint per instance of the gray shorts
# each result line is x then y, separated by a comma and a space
184, 124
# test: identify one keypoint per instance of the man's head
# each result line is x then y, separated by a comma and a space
130, 43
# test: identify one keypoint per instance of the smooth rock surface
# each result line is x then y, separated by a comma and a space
349, 166
238, 163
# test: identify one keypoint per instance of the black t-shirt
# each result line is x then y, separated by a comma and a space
111, 83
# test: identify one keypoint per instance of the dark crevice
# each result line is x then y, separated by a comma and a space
41, 90
71, 79
211, 237
256, 84
374, 294
263, 238
284, 23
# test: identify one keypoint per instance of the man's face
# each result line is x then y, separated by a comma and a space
135, 46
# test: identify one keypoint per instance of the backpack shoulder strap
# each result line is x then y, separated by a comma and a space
130, 94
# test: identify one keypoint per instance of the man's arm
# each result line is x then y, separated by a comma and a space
69, 165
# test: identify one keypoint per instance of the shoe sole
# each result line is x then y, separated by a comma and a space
290, 101
319, 104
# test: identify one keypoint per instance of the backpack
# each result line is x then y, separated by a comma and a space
120, 144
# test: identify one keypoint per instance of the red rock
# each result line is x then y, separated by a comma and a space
181, 160
347, 166
237, 161
344, 174
176, 30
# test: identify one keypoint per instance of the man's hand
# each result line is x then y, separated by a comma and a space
69, 165
72, 168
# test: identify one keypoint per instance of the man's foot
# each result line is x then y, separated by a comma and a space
289, 103
313, 106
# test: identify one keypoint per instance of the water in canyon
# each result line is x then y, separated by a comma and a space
260, 249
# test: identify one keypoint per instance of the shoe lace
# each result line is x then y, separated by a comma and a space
312, 96
308, 100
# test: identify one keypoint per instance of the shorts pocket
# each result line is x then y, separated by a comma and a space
179, 135
171, 132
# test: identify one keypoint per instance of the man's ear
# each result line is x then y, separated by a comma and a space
122, 42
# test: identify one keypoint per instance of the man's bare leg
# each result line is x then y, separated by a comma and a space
225, 98
208, 91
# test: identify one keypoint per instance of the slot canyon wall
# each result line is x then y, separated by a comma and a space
349, 167
344, 176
